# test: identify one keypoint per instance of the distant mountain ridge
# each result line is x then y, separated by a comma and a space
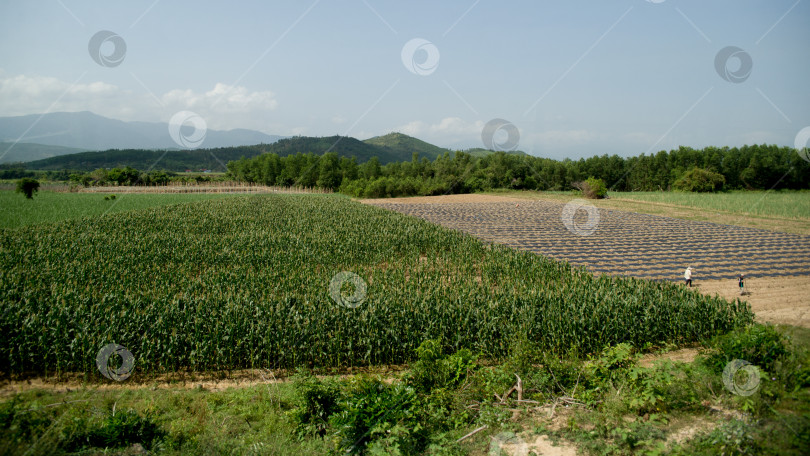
394, 147
18, 152
71, 141
146, 159
88, 131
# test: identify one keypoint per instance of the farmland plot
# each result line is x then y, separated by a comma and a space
624, 243
248, 282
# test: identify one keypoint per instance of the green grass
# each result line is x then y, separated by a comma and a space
786, 204
47, 207
248, 420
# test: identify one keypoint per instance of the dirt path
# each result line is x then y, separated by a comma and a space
205, 381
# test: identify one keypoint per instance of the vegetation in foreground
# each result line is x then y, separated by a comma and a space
244, 282
49, 207
605, 404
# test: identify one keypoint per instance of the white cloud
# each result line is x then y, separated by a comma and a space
21, 95
447, 131
223, 107
222, 98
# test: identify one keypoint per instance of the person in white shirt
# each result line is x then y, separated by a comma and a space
688, 276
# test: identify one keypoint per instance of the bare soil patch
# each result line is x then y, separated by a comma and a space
683, 355
780, 300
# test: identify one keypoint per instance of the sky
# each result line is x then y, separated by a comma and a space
557, 79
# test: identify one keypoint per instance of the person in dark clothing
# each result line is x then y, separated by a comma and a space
742, 285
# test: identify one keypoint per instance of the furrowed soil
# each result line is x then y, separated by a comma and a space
656, 244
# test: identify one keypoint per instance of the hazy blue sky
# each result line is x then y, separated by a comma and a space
576, 78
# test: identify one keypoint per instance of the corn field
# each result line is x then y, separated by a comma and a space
243, 282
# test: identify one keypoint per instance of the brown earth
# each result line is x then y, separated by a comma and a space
683, 355
206, 381
780, 300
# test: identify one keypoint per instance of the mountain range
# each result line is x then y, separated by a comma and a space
87, 131
70, 141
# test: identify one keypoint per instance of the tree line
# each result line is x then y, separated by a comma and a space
755, 167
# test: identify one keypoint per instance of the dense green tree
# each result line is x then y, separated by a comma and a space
755, 167
700, 180
329, 175
27, 186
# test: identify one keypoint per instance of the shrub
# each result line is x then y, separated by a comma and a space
700, 180
119, 430
316, 402
435, 370
27, 186
612, 362
372, 410
592, 188
758, 344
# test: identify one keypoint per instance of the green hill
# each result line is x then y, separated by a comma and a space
403, 146
344, 146
393, 147
390, 148
171, 160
